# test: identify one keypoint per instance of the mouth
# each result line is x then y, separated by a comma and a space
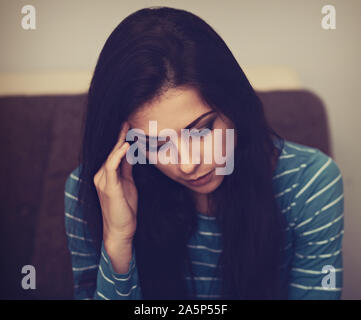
201, 180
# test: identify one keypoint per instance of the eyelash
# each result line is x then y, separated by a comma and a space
209, 126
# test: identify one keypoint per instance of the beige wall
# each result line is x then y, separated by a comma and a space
70, 35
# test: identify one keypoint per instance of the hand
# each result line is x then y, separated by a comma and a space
117, 193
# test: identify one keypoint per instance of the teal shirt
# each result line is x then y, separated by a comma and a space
308, 187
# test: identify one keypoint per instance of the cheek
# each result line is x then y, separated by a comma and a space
228, 144
224, 142
207, 149
219, 143
168, 170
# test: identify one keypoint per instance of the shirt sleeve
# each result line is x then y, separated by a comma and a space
318, 226
93, 273
117, 286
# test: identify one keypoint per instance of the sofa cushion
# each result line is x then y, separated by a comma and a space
41, 138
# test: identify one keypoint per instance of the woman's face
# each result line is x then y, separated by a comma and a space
177, 109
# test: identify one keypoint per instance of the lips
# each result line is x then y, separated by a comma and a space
192, 180
201, 180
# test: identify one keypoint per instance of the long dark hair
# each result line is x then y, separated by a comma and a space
151, 50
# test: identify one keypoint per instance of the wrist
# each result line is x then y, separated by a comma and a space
120, 254
117, 237
117, 242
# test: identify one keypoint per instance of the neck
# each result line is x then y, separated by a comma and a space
202, 203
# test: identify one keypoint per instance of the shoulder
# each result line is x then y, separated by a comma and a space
299, 165
73, 210
80, 242
313, 179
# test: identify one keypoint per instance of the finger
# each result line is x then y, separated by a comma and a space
126, 168
123, 133
113, 164
98, 175
121, 137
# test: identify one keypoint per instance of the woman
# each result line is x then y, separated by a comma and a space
147, 231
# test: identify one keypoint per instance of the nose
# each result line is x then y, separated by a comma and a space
186, 164
187, 168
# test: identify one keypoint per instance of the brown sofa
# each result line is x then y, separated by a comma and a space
40, 142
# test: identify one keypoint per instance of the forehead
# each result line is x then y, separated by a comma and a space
175, 109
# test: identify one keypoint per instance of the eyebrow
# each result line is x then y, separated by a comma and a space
191, 125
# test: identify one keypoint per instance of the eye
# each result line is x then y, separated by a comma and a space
148, 150
158, 146
209, 126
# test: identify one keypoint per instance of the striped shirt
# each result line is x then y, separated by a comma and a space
308, 187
